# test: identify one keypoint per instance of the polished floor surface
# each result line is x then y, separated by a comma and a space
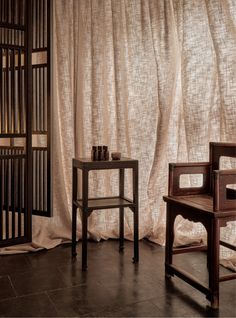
50, 284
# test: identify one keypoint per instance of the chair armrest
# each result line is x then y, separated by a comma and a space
178, 169
224, 198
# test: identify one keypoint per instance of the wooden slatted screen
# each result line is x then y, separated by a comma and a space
15, 122
25, 174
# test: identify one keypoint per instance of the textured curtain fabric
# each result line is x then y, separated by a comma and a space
154, 79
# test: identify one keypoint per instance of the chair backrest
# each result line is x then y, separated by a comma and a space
218, 150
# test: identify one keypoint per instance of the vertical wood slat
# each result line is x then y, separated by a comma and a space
1, 8
1, 90
48, 109
16, 11
22, 16
37, 186
42, 177
44, 94
40, 24
19, 12
37, 24
47, 184
39, 31
12, 11
37, 179
25, 201
4, 11
7, 198
40, 181
34, 181
43, 26
1, 200
23, 100
46, 105
16, 192
19, 92
34, 102
19, 195
4, 97
33, 29
13, 195
7, 90
7, 11
36, 99
43, 99
3, 189
40, 99
13, 103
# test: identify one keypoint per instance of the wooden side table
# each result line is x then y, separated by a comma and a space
88, 205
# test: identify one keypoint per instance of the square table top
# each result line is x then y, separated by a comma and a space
88, 163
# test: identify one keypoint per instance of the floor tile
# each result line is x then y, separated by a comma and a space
10, 264
81, 300
140, 309
36, 281
50, 258
6, 290
28, 306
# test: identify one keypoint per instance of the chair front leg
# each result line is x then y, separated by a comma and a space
170, 220
213, 233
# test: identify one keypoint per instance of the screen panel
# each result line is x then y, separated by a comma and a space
15, 122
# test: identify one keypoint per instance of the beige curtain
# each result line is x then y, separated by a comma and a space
154, 79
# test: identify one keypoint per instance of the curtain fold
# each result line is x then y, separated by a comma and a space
155, 80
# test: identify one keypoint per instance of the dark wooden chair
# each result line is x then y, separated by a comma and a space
213, 204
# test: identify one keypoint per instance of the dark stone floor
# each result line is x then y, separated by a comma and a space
50, 284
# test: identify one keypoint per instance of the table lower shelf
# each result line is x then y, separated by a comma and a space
106, 203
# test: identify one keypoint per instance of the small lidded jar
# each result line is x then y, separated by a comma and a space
94, 153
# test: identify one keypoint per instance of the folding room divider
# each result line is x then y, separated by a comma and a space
25, 180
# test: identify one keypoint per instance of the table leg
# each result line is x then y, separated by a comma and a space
136, 238
121, 212
121, 229
74, 210
136, 214
84, 239
74, 226
84, 218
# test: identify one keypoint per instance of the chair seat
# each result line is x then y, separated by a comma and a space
202, 203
